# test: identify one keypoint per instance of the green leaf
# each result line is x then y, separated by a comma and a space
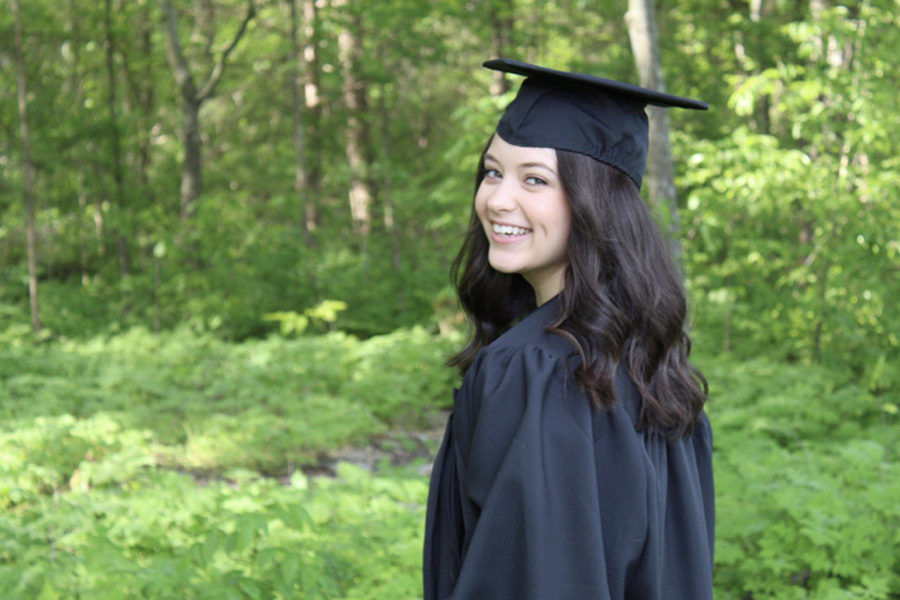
288, 569
210, 545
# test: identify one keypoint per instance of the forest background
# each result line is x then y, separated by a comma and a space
225, 234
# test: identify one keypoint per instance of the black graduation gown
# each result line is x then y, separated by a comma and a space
537, 495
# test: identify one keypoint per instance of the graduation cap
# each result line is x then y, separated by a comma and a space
599, 117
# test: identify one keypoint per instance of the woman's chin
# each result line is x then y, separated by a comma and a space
503, 267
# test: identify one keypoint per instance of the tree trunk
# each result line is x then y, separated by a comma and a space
301, 183
354, 91
313, 107
500, 15
388, 195
142, 93
22, 97
192, 170
116, 150
148, 99
192, 99
644, 37
78, 91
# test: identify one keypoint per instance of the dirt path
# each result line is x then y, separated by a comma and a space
397, 448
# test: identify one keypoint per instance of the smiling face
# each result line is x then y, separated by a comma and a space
525, 215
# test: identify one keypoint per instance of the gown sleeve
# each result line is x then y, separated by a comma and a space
536, 495
444, 529
528, 449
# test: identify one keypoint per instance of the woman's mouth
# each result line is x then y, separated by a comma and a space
508, 230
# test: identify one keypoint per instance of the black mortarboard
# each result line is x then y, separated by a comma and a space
599, 117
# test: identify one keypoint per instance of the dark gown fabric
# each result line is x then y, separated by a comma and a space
537, 495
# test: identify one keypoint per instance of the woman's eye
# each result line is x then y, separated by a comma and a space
491, 174
535, 181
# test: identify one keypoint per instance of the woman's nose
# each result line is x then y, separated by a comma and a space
502, 198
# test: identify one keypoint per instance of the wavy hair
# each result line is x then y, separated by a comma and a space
623, 301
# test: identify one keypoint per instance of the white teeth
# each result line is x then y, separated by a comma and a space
508, 229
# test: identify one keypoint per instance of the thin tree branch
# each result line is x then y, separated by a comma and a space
219, 68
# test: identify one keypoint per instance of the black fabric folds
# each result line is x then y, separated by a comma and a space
537, 495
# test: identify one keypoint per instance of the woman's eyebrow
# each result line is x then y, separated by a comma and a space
539, 164
528, 165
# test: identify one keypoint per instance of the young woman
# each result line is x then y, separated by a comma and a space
577, 461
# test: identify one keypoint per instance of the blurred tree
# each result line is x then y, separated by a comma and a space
358, 135
501, 14
116, 137
27, 167
299, 101
644, 34
192, 95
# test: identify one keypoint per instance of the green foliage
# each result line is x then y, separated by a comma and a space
59, 452
401, 375
790, 224
324, 314
130, 468
96, 437
208, 404
807, 476
158, 534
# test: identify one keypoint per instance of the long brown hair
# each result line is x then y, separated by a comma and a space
623, 301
